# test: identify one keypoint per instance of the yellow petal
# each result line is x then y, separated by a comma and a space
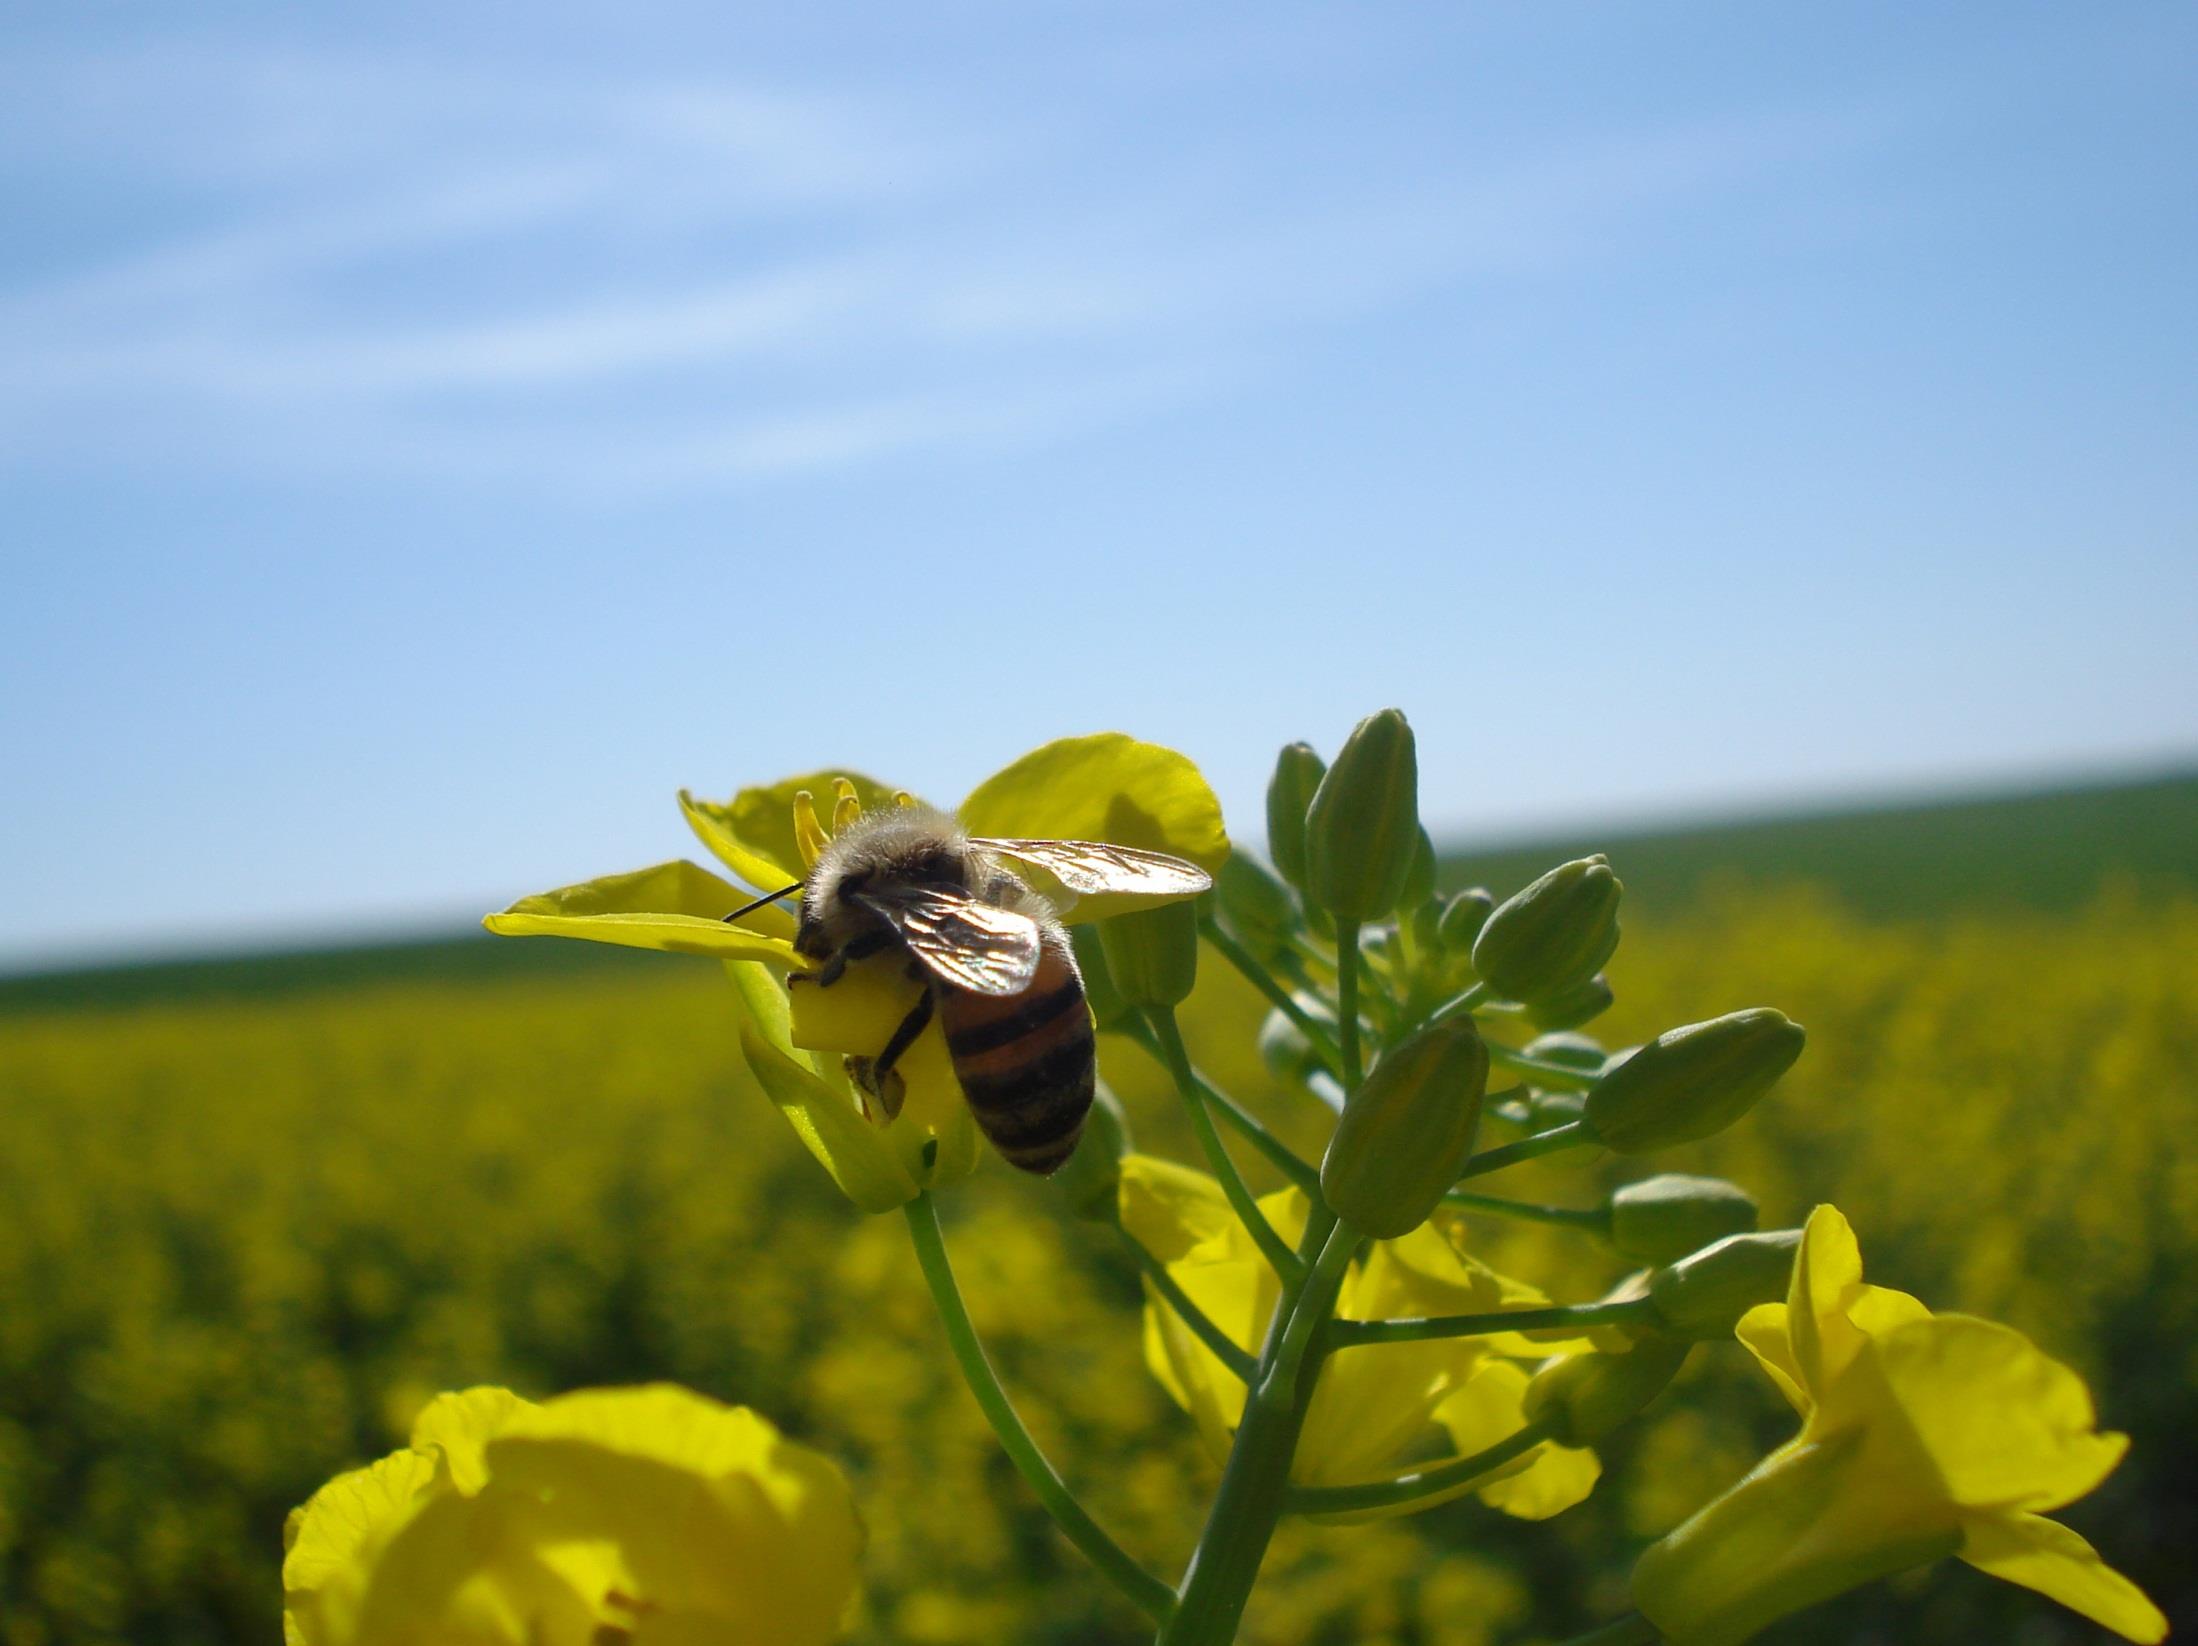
1491, 1408
1813, 1520
2046, 1556
712, 826
342, 1523
2005, 1425
1763, 1332
458, 1428
754, 831
1105, 787
1826, 1268
1374, 1404
1169, 1207
865, 1166
672, 906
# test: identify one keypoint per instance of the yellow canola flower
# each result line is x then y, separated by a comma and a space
607, 1517
1103, 787
1375, 1403
1923, 1435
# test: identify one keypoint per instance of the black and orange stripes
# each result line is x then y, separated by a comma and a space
1026, 1061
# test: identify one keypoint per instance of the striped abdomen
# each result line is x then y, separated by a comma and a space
1025, 1060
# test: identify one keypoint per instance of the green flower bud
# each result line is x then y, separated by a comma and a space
1547, 1109
1254, 905
1426, 922
1703, 1296
1289, 1056
1463, 917
1153, 953
1108, 1009
1569, 1008
1290, 791
1557, 932
1364, 824
1574, 1051
1582, 1399
1419, 873
1094, 1172
1690, 1082
1406, 1132
1662, 1219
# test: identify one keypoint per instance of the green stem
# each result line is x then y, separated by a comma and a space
1556, 1076
1465, 1005
1255, 1482
1594, 1219
1570, 1135
1231, 1354
1347, 970
1140, 1587
1631, 1630
1279, 1154
1444, 1478
1271, 1245
1558, 1317
1315, 1031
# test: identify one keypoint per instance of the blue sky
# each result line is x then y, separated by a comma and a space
429, 436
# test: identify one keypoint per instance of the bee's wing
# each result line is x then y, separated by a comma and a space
964, 940
1086, 866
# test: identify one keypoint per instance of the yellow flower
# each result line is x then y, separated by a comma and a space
1923, 1435
606, 1517
1375, 1403
1104, 787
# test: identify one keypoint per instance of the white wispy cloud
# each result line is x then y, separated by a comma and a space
535, 275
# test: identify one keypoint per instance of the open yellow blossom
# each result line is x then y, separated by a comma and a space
1103, 787
1923, 1435
607, 1517
1376, 1404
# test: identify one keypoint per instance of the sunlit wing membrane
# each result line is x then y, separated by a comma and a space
1085, 866
965, 941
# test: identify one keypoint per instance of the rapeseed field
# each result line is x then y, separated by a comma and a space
246, 1239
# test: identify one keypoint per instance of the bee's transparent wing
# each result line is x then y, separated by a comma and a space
964, 940
1086, 866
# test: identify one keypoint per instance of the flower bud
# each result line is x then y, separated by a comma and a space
1547, 1109
1690, 1082
1703, 1296
1256, 907
1419, 873
1569, 1008
1108, 1009
1093, 1173
1364, 824
1426, 924
1662, 1219
1582, 1399
1406, 1132
1153, 953
1463, 917
1572, 1051
1298, 771
1555, 933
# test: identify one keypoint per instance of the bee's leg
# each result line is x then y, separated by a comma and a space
914, 1024
862, 948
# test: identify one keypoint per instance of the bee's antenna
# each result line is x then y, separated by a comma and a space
772, 897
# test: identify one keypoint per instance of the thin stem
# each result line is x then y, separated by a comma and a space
1464, 1005
1315, 1031
1594, 1219
1347, 970
1271, 1245
1570, 1135
1557, 1076
1146, 1592
1558, 1317
1442, 1480
1279, 1154
1231, 1354
1631, 1630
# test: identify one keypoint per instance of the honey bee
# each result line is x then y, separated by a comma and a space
994, 958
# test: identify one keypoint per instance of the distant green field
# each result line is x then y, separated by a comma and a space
2049, 851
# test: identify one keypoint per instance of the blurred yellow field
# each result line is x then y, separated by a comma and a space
246, 1240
